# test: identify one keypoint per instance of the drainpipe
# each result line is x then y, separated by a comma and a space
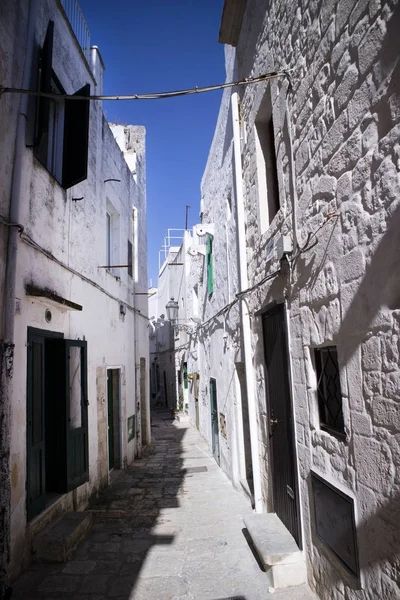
244, 312
7, 344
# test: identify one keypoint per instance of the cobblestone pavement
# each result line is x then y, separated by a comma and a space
168, 528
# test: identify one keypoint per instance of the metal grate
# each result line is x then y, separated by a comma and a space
329, 392
335, 522
196, 469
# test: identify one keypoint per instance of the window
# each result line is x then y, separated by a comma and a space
61, 126
130, 269
210, 266
329, 392
268, 189
108, 239
112, 238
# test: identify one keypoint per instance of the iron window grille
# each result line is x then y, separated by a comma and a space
329, 393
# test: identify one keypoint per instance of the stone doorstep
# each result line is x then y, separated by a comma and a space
277, 549
57, 541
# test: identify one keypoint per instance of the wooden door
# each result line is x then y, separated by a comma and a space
281, 429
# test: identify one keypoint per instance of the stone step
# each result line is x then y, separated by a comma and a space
277, 550
59, 539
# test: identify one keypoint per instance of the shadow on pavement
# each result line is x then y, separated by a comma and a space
127, 524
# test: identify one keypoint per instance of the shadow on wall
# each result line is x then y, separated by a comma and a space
380, 286
379, 289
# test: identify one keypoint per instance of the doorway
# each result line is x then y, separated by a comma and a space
57, 424
214, 419
113, 412
281, 428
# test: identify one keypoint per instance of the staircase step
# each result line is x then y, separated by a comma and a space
59, 539
277, 549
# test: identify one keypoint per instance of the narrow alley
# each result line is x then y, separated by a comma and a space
169, 527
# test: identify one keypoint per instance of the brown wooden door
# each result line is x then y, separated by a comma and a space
281, 429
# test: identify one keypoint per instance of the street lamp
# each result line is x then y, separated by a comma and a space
172, 308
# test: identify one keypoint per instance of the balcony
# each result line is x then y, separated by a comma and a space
78, 24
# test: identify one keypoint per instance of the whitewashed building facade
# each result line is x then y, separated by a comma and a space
299, 376
73, 273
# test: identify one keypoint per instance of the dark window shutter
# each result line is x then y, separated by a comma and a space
36, 493
77, 433
130, 269
210, 266
76, 139
44, 85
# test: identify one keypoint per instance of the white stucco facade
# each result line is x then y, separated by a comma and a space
335, 130
70, 237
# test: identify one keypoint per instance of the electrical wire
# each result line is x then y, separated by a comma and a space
4, 221
31, 242
152, 96
305, 248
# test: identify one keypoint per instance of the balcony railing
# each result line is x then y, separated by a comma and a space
78, 24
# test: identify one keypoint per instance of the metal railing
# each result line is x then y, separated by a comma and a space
79, 26
174, 237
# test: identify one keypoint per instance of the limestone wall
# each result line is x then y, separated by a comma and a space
336, 129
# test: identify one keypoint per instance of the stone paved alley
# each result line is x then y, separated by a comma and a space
162, 530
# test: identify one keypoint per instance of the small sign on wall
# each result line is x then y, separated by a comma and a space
131, 428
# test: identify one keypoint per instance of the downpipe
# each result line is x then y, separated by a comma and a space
244, 312
7, 343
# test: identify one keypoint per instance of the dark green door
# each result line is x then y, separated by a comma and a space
214, 419
36, 484
110, 396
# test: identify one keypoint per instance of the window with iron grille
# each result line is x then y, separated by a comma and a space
329, 392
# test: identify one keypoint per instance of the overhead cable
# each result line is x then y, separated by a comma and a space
153, 96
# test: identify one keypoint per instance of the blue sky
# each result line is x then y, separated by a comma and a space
161, 45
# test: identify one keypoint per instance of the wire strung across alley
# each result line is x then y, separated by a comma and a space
152, 96
302, 249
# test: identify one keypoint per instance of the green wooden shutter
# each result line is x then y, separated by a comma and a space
77, 413
185, 376
130, 266
210, 266
76, 139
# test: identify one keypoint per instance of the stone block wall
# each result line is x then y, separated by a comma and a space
336, 128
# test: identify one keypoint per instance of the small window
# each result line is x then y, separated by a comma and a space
113, 239
329, 392
210, 266
108, 239
267, 173
130, 269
